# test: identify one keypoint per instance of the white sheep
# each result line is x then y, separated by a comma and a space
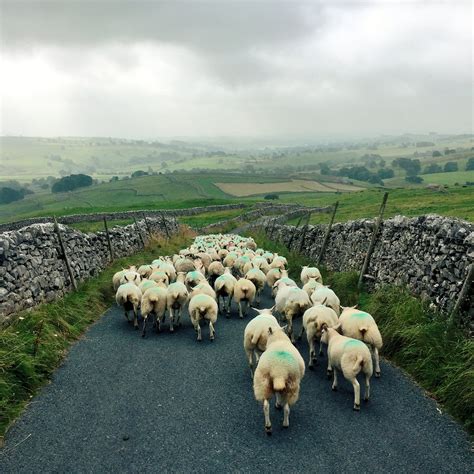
169, 269
295, 304
129, 296
203, 307
313, 320
257, 277
274, 274
153, 301
310, 272
176, 297
279, 371
361, 325
311, 286
326, 295
279, 262
118, 276
244, 291
160, 277
130, 276
284, 281
224, 287
193, 278
351, 357
145, 284
216, 269
256, 334
145, 270
184, 265
203, 288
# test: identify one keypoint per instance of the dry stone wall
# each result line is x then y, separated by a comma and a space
430, 254
33, 271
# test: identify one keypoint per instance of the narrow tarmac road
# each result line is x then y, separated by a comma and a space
167, 403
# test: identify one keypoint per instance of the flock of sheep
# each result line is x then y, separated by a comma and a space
219, 268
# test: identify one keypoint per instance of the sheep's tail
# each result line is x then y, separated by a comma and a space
279, 383
363, 330
358, 363
255, 338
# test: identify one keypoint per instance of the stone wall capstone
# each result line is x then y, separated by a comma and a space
32, 270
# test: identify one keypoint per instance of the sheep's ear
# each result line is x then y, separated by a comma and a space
354, 307
259, 311
270, 330
338, 328
283, 328
305, 266
272, 308
135, 277
324, 327
126, 277
324, 300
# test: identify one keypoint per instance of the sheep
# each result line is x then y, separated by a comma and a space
193, 278
313, 320
274, 274
284, 281
203, 307
244, 290
184, 265
279, 371
129, 276
295, 304
328, 296
176, 297
118, 276
310, 272
145, 284
169, 269
203, 288
224, 287
361, 325
129, 296
256, 334
311, 286
215, 270
145, 271
205, 259
257, 277
160, 277
154, 300
279, 262
351, 357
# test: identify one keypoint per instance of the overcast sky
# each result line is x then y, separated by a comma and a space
238, 69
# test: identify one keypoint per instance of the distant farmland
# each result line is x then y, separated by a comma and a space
294, 185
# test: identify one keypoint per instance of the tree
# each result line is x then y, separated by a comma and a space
325, 169
470, 164
414, 179
272, 196
385, 173
436, 153
139, 173
450, 166
433, 168
113, 178
8, 195
412, 167
71, 182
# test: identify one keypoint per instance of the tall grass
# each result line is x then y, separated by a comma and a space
438, 355
33, 346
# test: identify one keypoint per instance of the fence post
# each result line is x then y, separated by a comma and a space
109, 242
138, 231
465, 290
65, 256
328, 231
294, 232
305, 228
146, 224
163, 221
370, 250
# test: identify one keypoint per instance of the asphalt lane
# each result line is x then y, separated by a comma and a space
167, 403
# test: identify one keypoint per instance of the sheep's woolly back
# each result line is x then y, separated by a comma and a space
244, 290
360, 325
319, 315
205, 302
128, 293
256, 331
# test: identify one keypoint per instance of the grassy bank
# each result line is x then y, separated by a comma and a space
34, 345
438, 356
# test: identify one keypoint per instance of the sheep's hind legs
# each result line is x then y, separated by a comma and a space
266, 412
212, 331
377, 362
286, 415
356, 386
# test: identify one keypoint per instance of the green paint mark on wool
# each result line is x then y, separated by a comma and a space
284, 355
360, 314
352, 343
201, 297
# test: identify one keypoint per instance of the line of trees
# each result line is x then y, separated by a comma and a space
71, 182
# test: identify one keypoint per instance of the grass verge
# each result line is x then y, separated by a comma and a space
35, 344
439, 357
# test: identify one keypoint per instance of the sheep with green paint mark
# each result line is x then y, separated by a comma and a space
154, 302
203, 308
193, 278
313, 320
256, 334
361, 325
308, 273
129, 296
350, 356
283, 281
145, 284
244, 292
279, 262
203, 288
160, 277
130, 276
279, 372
